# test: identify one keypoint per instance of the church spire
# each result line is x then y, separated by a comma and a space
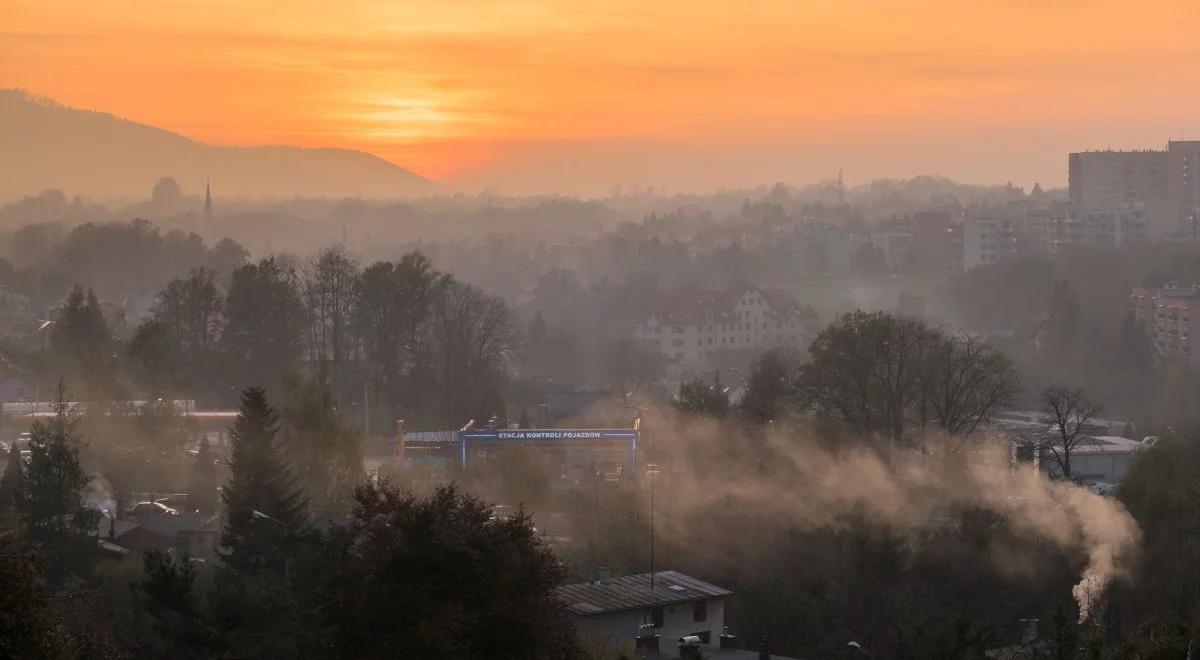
207, 200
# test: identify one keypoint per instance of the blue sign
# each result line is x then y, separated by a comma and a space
527, 435
572, 437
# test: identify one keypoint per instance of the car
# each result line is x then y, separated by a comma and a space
152, 509
173, 500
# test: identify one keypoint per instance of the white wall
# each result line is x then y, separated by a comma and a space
622, 626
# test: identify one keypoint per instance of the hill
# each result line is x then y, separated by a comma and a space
47, 145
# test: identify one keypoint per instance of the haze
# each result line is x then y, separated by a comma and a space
567, 97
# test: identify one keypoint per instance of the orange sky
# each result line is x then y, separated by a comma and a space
575, 96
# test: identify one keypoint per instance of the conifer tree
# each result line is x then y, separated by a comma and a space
265, 510
13, 489
59, 521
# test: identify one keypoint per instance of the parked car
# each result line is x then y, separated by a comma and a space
152, 509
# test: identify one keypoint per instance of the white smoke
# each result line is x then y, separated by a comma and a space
812, 487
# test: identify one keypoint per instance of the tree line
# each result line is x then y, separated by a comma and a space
399, 337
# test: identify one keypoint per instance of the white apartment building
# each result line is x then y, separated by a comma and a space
747, 318
988, 238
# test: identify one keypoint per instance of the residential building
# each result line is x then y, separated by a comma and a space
702, 324
896, 247
1166, 315
1115, 179
988, 236
195, 536
677, 606
1106, 228
1165, 185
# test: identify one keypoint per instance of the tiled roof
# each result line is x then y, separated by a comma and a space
633, 591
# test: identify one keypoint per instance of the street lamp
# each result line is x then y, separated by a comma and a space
262, 516
259, 515
43, 325
651, 470
858, 647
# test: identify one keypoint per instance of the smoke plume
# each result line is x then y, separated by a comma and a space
802, 481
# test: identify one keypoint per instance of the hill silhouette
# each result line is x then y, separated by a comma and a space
44, 144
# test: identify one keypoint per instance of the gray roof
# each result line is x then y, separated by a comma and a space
633, 591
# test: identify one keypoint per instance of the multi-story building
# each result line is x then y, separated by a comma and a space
1167, 315
1106, 228
988, 237
1114, 179
705, 323
896, 246
1165, 185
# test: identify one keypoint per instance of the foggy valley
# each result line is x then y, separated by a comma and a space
570, 348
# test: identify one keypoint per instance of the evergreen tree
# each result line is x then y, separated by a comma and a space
265, 320
167, 594
1064, 324
769, 386
701, 398
202, 484
440, 577
13, 493
264, 508
324, 449
58, 519
82, 343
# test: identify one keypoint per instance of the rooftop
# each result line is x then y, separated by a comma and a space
633, 591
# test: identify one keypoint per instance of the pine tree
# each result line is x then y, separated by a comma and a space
58, 519
264, 508
13, 489
325, 449
202, 484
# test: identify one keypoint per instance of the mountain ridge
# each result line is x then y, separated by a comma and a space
45, 144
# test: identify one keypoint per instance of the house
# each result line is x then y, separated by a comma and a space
617, 607
195, 535
699, 326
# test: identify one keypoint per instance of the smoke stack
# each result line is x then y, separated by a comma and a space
646, 643
689, 648
604, 575
400, 442
1029, 631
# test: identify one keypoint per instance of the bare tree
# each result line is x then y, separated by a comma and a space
866, 372
329, 286
472, 335
964, 383
1070, 411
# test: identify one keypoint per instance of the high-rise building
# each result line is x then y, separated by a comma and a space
1166, 315
207, 200
1165, 185
1115, 179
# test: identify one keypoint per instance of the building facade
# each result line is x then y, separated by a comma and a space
706, 323
675, 606
1166, 315
1165, 185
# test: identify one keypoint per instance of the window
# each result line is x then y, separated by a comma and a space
656, 616
700, 611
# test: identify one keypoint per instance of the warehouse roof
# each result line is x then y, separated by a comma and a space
633, 591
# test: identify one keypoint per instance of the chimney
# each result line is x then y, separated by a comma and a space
728, 641
764, 649
689, 648
1029, 631
400, 442
646, 643
604, 575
